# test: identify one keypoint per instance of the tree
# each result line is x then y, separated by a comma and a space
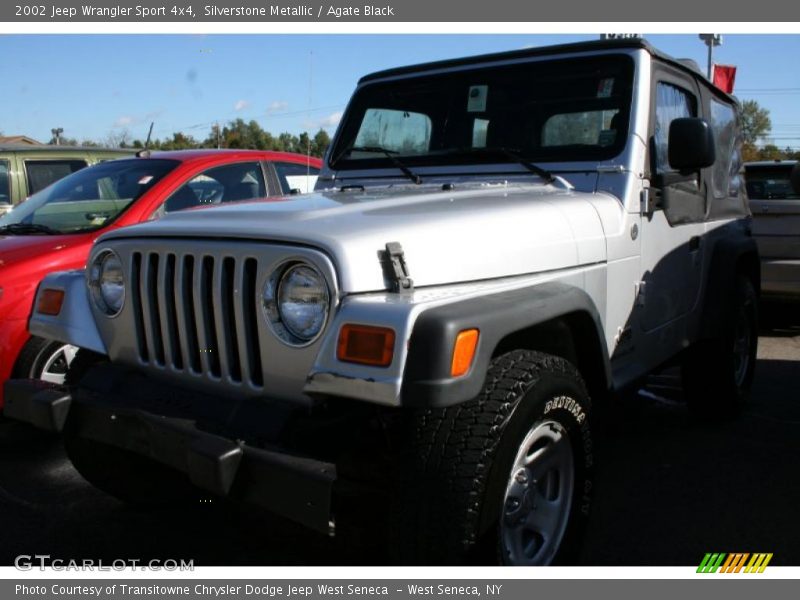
320, 143
118, 139
770, 152
179, 141
756, 122
63, 141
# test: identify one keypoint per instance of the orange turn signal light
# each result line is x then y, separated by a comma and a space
463, 352
366, 345
50, 302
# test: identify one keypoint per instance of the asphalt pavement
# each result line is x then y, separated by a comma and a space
669, 489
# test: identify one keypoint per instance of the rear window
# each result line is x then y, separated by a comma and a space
770, 183
42, 173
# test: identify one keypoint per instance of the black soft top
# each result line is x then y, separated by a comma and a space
590, 46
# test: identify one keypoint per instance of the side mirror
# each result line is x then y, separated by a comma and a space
691, 144
795, 178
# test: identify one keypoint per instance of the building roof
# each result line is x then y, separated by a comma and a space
19, 139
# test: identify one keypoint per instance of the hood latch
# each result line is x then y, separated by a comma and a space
393, 261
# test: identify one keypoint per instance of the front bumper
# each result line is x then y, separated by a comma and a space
291, 485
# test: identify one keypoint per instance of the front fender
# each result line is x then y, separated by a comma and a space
427, 380
426, 323
74, 324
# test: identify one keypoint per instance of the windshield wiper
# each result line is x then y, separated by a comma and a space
26, 228
514, 155
390, 154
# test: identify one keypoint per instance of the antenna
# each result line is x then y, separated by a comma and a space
149, 133
310, 102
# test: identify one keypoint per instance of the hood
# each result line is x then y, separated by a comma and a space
470, 233
16, 250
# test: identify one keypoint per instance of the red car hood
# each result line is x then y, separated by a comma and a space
43, 249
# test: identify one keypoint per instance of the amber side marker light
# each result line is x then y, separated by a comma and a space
464, 352
366, 345
50, 302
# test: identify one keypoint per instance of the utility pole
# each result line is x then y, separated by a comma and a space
711, 40
57, 131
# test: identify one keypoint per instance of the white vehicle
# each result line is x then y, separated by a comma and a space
493, 241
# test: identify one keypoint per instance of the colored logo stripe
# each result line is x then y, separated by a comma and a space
734, 562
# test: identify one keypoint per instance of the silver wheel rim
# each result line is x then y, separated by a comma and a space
741, 348
56, 364
538, 496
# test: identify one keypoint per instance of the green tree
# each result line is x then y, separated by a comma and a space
756, 122
320, 143
770, 152
63, 141
179, 141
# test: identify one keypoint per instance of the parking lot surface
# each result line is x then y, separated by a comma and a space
669, 489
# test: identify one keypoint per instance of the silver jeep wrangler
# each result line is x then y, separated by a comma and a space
493, 241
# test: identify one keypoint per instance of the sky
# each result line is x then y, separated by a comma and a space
94, 86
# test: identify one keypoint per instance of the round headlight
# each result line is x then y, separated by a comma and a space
107, 282
296, 301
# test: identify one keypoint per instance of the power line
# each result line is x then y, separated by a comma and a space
789, 89
262, 115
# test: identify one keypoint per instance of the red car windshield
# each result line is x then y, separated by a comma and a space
88, 199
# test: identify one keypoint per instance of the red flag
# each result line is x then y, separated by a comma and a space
724, 77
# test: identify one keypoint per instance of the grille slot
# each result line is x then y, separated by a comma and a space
187, 322
226, 321
169, 303
150, 309
210, 349
136, 298
249, 321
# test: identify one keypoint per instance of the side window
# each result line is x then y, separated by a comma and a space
296, 176
5, 183
229, 183
726, 180
672, 103
42, 173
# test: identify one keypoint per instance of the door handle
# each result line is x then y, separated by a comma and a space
694, 243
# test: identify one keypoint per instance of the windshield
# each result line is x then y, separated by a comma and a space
770, 183
555, 110
89, 199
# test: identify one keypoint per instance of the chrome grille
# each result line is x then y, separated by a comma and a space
197, 313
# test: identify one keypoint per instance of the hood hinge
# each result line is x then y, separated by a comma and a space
393, 261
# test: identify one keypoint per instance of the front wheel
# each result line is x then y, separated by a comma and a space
44, 359
506, 477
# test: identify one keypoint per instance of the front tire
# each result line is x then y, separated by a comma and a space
44, 359
507, 477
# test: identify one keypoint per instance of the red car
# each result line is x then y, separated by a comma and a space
54, 229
